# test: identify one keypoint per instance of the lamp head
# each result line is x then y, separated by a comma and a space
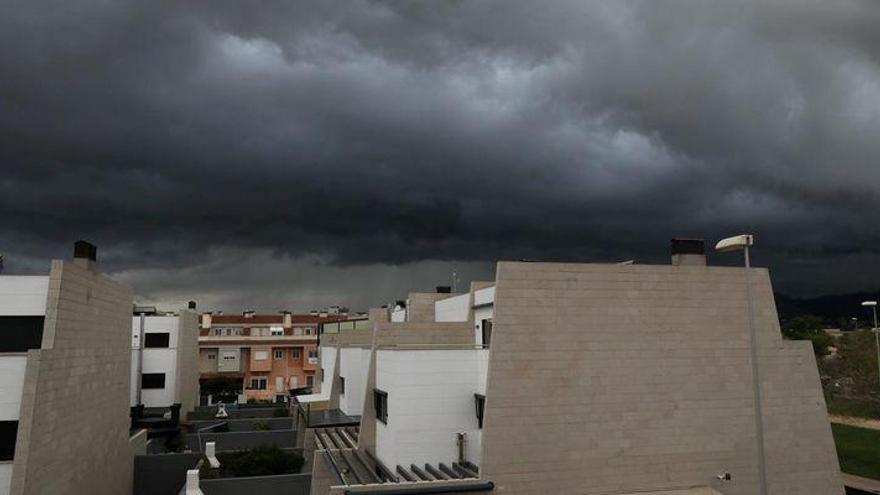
869, 303
735, 243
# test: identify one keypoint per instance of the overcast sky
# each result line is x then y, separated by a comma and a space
275, 155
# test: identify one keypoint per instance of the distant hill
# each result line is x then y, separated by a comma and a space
836, 310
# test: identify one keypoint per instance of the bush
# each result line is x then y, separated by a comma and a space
809, 328
262, 425
266, 460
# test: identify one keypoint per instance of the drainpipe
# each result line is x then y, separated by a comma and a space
140, 354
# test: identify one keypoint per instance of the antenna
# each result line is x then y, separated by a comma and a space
454, 282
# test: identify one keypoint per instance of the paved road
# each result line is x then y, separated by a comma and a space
864, 484
873, 424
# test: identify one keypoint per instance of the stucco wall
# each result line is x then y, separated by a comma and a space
609, 378
73, 433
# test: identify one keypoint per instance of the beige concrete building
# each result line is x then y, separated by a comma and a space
591, 379
65, 355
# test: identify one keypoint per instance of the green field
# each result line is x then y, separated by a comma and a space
858, 450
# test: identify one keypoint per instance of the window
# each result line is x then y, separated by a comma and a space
342, 385
279, 354
487, 332
212, 356
156, 339
152, 381
480, 403
259, 382
380, 402
229, 357
261, 355
310, 380
294, 353
228, 331
8, 432
308, 330
298, 331
21, 333
313, 354
277, 331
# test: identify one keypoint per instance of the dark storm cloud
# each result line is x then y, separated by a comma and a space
370, 133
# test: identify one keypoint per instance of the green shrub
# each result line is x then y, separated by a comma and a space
262, 425
266, 460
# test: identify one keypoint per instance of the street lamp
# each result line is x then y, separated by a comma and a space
743, 243
873, 305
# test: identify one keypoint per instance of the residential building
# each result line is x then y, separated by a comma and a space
267, 354
587, 378
64, 386
164, 358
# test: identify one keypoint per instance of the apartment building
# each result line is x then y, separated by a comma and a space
164, 358
64, 386
267, 354
588, 378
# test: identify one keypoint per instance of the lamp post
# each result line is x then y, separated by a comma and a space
873, 305
743, 243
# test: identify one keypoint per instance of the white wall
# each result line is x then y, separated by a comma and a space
5, 477
23, 295
398, 316
156, 360
430, 399
453, 308
11, 384
353, 366
484, 296
327, 363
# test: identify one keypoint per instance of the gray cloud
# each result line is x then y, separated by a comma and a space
346, 136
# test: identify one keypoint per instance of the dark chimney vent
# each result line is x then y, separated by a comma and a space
688, 252
192, 305
444, 289
85, 250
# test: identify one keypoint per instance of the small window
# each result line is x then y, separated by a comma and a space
229, 357
313, 354
380, 402
308, 331
8, 433
279, 353
480, 403
310, 380
277, 331
212, 356
152, 381
156, 340
21, 333
294, 353
259, 382
342, 385
487, 333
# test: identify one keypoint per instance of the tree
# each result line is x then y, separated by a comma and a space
810, 328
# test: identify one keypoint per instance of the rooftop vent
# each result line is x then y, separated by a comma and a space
444, 289
688, 252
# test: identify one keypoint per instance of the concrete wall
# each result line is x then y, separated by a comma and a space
73, 433
609, 378
430, 399
284, 484
241, 440
420, 306
162, 474
187, 390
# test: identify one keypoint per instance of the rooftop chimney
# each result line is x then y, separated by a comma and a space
206, 320
444, 289
288, 319
85, 254
191, 305
688, 252
248, 314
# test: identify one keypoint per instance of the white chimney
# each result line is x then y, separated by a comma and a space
192, 483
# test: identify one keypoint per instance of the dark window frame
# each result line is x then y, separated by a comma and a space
480, 406
147, 381
380, 403
486, 330
164, 340
21, 333
8, 436
342, 385
260, 379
